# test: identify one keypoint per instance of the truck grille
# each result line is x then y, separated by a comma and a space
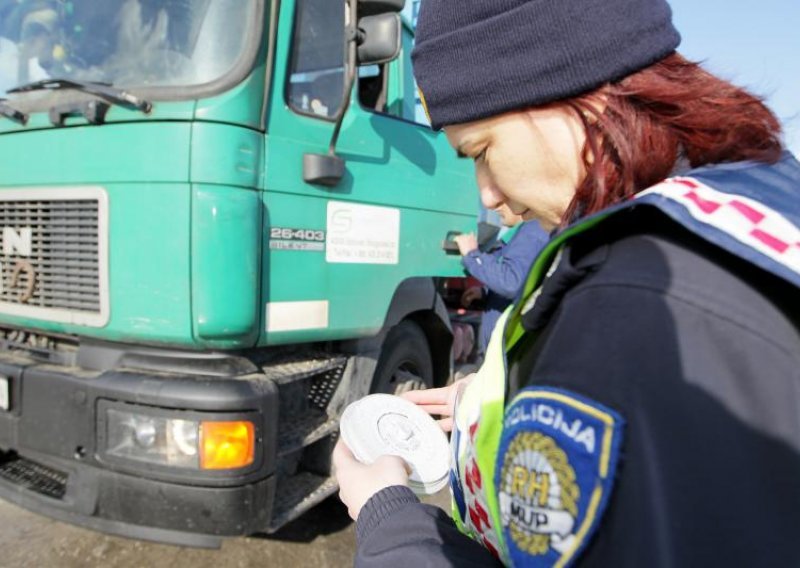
53, 254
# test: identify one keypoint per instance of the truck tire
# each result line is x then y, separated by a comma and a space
405, 362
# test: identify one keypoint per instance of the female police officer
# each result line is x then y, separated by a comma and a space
639, 406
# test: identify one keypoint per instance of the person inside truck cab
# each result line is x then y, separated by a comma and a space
124, 42
638, 406
29, 32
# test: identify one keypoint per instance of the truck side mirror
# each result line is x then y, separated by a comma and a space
378, 38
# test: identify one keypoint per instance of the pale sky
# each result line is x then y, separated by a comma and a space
752, 44
755, 44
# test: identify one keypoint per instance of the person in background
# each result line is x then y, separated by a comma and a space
638, 406
502, 269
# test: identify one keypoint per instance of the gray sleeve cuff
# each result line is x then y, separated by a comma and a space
380, 506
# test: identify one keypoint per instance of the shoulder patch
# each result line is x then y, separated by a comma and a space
556, 464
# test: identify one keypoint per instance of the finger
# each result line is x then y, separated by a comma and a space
446, 424
445, 409
428, 396
441, 409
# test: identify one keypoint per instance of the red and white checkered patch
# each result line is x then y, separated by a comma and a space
746, 220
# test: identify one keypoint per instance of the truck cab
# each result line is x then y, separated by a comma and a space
185, 307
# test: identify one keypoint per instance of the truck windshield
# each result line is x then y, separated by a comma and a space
128, 43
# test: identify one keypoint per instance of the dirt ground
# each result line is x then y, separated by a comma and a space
322, 538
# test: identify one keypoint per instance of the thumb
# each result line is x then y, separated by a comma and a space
393, 461
342, 456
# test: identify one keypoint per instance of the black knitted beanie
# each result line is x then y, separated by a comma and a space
478, 58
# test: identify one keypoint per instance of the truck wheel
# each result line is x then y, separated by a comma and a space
405, 362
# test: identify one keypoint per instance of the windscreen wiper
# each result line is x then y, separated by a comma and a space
105, 91
13, 114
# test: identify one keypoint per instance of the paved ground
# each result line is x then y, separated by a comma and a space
323, 538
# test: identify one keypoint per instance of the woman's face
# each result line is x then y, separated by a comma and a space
528, 160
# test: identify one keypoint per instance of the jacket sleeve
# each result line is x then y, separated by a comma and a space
395, 529
503, 271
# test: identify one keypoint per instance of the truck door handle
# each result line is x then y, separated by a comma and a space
449, 246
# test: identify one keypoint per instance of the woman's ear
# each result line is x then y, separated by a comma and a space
594, 106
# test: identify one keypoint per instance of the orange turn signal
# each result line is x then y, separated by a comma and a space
227, 445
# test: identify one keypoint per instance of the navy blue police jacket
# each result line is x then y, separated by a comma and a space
697, 346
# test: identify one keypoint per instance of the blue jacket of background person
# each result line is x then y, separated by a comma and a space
502, 270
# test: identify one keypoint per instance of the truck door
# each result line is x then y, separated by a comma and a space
336, 255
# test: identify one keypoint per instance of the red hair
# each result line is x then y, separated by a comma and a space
649, 120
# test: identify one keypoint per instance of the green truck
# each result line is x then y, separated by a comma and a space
206, 255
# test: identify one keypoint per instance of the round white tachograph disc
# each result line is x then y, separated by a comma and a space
382, 424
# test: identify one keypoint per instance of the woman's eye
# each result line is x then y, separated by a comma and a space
481, 156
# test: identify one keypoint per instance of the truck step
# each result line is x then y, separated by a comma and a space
304, 430
33, 476
289, 370
297, 494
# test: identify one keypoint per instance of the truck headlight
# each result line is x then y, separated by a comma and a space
154, 439
180, 443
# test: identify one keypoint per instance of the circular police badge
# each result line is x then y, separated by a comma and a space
555, 468
538, 493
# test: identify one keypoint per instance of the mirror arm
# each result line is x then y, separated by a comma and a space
352, 46
328, 169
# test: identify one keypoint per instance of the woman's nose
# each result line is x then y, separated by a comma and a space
490, 197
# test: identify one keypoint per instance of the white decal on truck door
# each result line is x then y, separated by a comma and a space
362, 234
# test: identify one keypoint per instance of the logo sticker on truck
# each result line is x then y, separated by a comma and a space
23, 276
362, 234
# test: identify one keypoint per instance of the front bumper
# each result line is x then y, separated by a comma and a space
52, 460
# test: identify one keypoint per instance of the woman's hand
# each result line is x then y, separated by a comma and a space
358, 482
441, 401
